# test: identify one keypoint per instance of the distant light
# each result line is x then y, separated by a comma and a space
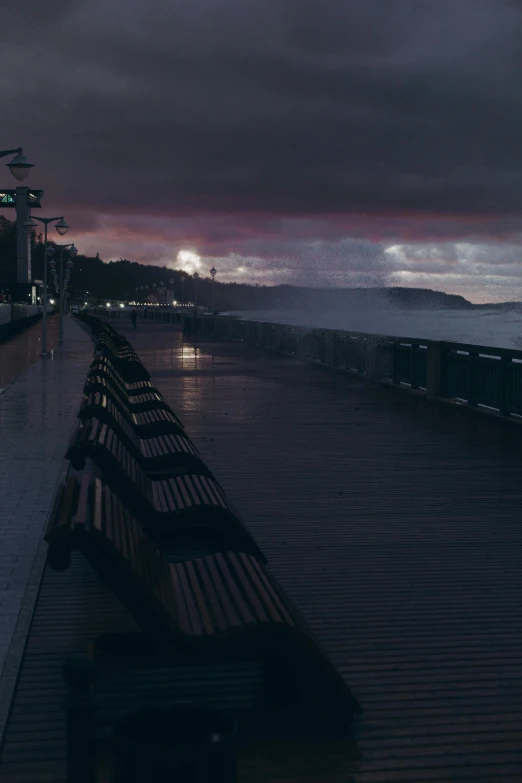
189, 261
122, 305
108, 304
86, 303
51, 301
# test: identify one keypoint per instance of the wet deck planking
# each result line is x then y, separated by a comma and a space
394, 526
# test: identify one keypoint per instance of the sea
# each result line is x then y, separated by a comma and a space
494, 328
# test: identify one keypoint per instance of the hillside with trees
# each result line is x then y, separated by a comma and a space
118, 280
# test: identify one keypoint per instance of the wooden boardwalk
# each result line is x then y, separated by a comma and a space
395, 527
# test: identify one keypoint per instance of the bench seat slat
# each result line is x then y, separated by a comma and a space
200, 603
265, 588
187, 597
181, 609
238, 614
256, 609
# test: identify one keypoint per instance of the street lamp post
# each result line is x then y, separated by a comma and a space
62, 228
196, 277
22, 199
72, 252
213, 273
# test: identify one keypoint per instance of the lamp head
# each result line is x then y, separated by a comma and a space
62, 227
29, 225
20, 167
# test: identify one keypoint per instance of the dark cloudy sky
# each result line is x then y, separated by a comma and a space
330, 142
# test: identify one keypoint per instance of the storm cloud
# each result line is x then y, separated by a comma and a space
302, 137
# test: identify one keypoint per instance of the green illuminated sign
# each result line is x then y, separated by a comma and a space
8, 198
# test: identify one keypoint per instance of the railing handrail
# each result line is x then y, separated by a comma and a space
485, 377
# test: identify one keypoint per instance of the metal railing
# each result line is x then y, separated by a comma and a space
480, 376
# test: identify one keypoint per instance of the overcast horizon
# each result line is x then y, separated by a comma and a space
305, 142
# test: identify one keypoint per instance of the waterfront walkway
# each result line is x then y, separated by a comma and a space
393, 524
37, 412
395, 527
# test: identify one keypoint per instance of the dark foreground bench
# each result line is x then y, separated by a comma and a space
224, 607
146, 423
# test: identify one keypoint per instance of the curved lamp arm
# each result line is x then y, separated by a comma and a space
47, 220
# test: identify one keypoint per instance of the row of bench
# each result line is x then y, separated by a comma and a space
148, 514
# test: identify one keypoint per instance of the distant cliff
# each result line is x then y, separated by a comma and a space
296, 298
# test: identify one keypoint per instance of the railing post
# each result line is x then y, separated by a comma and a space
394, 372
372, 367
413, 380
434, 386
505, 379
471, 379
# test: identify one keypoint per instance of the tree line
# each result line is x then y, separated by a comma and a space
118, 280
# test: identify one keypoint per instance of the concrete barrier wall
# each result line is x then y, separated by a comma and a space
5, 313
10, 328
20, 311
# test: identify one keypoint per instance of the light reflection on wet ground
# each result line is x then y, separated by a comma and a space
22, 350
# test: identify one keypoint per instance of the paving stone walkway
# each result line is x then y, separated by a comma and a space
37, 413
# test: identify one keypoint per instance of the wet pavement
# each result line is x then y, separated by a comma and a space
21, 351
37, 413
394, 526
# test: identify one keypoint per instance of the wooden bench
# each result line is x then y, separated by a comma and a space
223, 607
155, 454
96, 325
172, 453
146, 423
137, 403
118, 344
170, 505
102, 365
125, 360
